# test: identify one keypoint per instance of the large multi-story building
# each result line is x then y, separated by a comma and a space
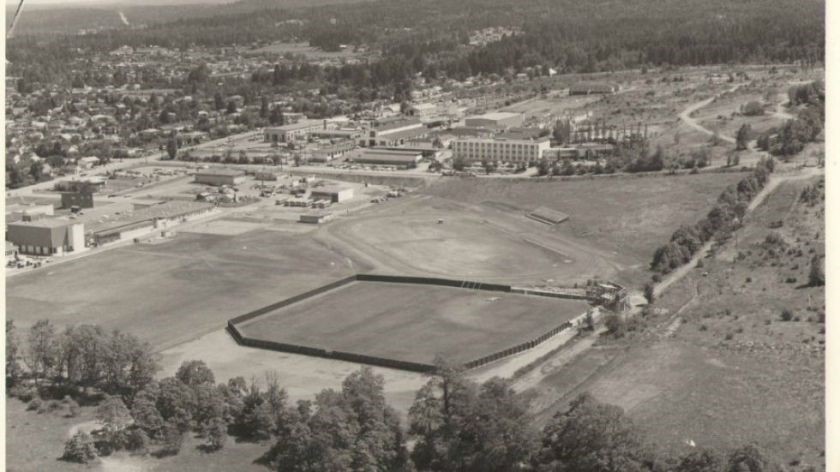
500, 150
393, 133
48, 237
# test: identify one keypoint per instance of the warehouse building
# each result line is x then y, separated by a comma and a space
47, 237
505, 151
83, 198
499, 119
291, 132
219, 177
388, 157
592, 88
333, 193
394, 133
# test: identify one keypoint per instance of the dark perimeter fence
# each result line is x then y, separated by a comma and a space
246, 340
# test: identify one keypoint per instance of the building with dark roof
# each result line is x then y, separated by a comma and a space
47, 237
388, 157
218, 177
592, 88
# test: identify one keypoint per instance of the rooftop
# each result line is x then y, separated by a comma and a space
220, 172
496, 115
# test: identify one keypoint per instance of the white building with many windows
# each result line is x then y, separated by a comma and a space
500, 150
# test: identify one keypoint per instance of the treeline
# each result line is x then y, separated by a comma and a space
430, 37
453, 424
794, 135
721, 220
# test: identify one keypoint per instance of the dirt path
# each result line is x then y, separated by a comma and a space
686, 118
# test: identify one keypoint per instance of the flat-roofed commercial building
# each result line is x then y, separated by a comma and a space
505, 151
395, 133
291, 132
219, 177
47, 237
388, 157
498, 119
333, 193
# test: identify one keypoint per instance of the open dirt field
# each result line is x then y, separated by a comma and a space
463, 246
622, 220
413, 322
175, 291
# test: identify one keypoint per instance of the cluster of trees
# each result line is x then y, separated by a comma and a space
453, 425
632, 156
721, 220
84, 357
791, 138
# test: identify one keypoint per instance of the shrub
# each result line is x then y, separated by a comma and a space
615, 325
787, 315
35, 404
79, 449
136, 440
24, 393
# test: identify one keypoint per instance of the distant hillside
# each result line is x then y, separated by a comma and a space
70, 18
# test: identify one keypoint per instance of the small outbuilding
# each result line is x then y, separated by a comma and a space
333, 193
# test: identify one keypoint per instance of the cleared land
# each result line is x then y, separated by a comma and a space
175, 291
413, 322
463, 246
620, 219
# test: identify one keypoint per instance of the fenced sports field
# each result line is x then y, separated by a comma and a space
405, 322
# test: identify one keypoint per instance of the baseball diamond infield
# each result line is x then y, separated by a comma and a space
405, 322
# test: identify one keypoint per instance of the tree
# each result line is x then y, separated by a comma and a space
458, 425
215, 430
173, 438
146, 415
705, 460
231, 107
113, 414
742, 138
459, 163
615, 325
264, 107
172, 148
591, 437
752, 108
748, 459
13, 369
195, 373
276, 117
649, 293
42, 354
219, 101
816, 276
79, 448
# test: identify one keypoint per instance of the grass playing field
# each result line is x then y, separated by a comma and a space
172, 292
413, 322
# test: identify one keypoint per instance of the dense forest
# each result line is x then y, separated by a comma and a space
430, 37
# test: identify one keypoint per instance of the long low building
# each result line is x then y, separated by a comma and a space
291, 132
500, 150
498, 119
218, 177
47, 237
388, 157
